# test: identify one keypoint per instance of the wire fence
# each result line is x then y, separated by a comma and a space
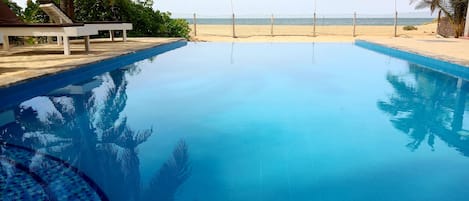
349, 24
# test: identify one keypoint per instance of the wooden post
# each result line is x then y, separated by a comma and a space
354, 23
195, 24
466, 28
124, 35
59, 40
272, 25
234, 31
395, 24
66, 41
438, 23
87, 44
49, 39
111, 35
314, 24
6, 43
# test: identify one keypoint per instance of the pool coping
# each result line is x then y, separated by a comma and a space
29, 88
435, 63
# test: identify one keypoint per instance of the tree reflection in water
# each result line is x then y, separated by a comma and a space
428, 104
88, 131
173, 173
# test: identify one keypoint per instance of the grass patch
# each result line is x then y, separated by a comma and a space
410, 28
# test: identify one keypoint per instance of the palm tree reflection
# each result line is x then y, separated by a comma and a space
86, 129
171, 176
427, 104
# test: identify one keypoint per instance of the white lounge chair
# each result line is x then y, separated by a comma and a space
77, 89
11, 25
58, 16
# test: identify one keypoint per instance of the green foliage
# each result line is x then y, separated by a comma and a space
96, 10
179, 27
410, 28
146, 21
34, 14
455, 10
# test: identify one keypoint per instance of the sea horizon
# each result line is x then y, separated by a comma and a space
320, 21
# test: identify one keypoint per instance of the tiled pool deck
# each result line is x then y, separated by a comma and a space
28, 62
446, 49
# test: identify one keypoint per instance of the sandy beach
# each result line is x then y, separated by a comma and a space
288, 33
422, 41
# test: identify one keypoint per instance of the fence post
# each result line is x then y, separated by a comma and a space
234, 31
354, 23
438, 23
314, 24
466, 27
195, 24
395, 24
272, 25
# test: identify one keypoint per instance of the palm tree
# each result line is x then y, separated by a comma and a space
68, 7
174, 172
454, 9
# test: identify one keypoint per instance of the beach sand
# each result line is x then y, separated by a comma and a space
288, 33
423, 41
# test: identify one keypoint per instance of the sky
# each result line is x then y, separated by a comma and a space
214, 8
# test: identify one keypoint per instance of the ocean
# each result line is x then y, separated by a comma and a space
309, 21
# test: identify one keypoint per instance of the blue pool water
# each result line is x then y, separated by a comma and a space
242, 122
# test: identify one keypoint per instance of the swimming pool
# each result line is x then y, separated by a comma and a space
244, 121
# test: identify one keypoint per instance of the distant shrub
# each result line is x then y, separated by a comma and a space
145, 20
178, 27
410, 28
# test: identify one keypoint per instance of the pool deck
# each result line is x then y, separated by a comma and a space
23, 63
446, 49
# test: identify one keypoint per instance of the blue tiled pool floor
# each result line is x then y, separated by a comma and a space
29, 175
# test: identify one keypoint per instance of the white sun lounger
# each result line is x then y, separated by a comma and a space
11, 25
58, 16
65, 31
77, 89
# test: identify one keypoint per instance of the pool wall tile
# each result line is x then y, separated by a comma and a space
446, 67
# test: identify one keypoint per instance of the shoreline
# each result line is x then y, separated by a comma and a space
304, 33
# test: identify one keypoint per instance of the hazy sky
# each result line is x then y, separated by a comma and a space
283, 7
